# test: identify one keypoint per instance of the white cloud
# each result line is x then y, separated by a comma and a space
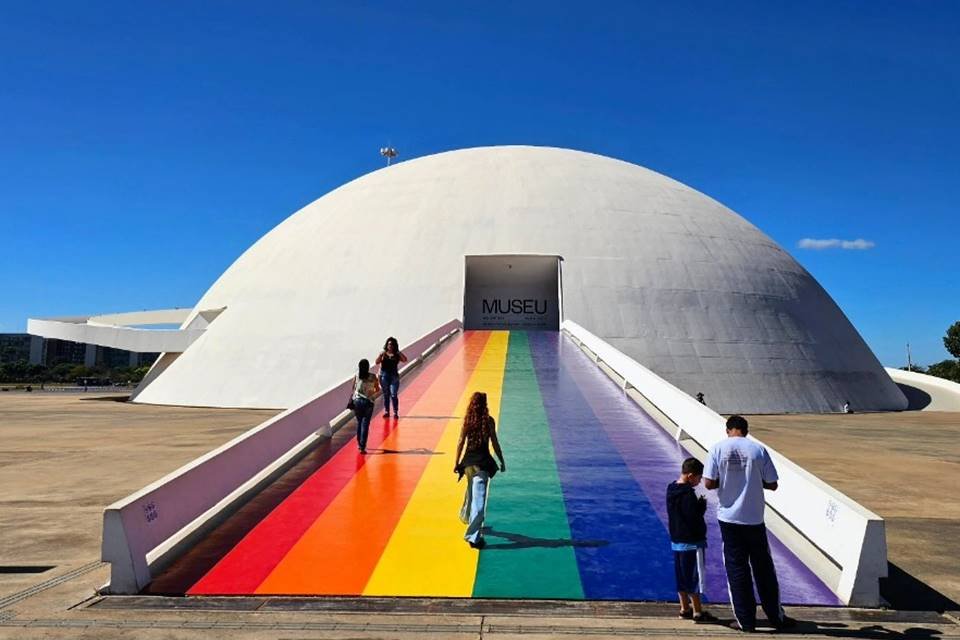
818, 244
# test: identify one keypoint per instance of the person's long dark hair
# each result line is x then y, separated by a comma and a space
363, 369
477, 413
396, 345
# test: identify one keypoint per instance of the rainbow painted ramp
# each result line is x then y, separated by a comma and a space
579, 514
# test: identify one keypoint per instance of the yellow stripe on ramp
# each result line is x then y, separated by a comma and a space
427, 555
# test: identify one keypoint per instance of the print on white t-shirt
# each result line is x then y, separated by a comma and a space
742, 466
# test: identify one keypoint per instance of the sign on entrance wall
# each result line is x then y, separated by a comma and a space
511, 292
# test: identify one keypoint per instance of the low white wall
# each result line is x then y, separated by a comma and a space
850, 537
944, 394
148, 528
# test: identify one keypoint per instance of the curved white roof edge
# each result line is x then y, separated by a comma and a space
944, 395
132, 318
117, 330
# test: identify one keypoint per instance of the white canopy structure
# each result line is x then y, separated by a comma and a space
125, 331
667, 275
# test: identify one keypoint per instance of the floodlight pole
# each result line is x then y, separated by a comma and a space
909, 361
389, 153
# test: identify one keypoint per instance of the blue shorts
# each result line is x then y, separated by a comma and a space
689, 569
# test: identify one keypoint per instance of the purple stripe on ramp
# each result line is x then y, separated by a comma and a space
623, 551
654, 458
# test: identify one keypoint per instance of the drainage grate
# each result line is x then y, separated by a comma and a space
49, 583
26, 568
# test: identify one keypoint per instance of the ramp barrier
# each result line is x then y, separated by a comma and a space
147, 530
840, 540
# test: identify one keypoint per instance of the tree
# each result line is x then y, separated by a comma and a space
38, 373
952, 340
79, 371
16, 371
61, 372
949, 369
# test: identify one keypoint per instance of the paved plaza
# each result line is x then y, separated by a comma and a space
904, 466
63, 457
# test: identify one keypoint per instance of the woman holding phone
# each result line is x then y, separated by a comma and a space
389, 361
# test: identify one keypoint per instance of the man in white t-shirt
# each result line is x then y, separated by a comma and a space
740, 469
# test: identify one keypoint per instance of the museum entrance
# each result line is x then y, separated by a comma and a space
512, 292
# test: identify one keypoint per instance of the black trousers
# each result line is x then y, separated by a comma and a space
745, 551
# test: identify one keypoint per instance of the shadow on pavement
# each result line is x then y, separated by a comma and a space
840, 630
906, 593
405, 452
870, 631
518, 541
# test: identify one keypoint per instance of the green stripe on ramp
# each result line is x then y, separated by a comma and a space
528, 553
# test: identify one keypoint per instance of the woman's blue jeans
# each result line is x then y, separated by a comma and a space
390, 385
363, 410
474, 503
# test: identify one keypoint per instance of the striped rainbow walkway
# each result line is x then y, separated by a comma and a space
578, 515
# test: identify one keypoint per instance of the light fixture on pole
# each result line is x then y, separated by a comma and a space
389, 153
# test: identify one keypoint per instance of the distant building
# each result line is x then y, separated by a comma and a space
63, 351
22, 347
117, 358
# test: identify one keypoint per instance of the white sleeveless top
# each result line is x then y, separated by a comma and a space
365, 388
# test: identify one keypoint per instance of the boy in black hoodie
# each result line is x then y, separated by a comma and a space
688, 538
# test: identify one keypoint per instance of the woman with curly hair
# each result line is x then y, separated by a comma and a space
478, 432
389, 361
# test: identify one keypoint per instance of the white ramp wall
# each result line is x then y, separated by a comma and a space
840, 540
148, 529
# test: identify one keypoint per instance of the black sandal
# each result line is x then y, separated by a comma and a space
704, 617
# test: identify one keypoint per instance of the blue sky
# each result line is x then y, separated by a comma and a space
144, 146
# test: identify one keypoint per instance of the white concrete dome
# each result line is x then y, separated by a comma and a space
671, 277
